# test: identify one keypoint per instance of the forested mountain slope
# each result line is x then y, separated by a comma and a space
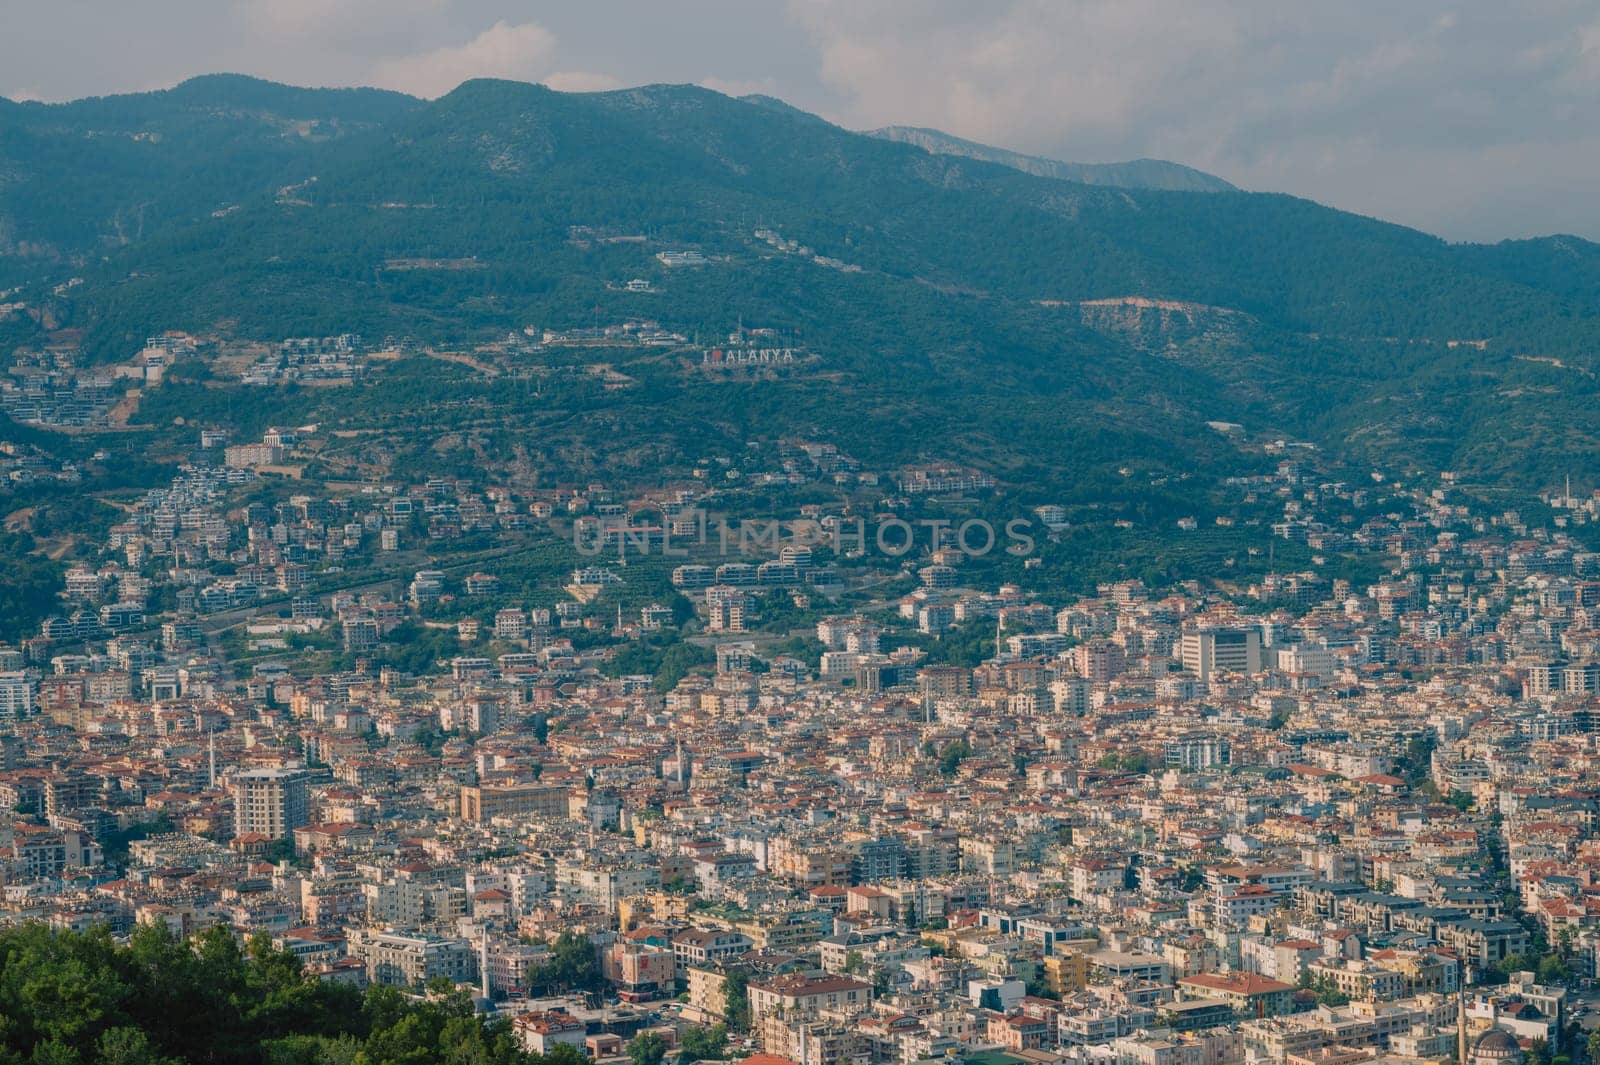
962, 308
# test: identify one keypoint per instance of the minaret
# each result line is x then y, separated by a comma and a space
483, 965
1461, 1014
212, 735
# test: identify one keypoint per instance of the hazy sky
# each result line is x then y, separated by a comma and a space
1475, 119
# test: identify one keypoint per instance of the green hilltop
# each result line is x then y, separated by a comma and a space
1046, 330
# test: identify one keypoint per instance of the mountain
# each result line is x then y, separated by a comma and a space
1136, 174
97, 174
1054, 333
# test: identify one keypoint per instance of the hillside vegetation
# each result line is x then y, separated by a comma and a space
943, 293
69, 998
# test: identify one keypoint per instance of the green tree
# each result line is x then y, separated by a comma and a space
954, 753
1517, 963
736, 999
699, 1043
1327, 994
647, 1048
128, 1046
573, 965
1553, 969
79, 997
1127, 762
562, 1054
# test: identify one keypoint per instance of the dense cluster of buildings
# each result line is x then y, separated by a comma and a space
1311, 821
50, 388
329, 360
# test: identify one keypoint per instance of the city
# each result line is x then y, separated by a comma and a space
791, 532
1296, 820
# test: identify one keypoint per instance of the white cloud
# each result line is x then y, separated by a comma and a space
1365, 104
1022, 70
520, 52
1589, 51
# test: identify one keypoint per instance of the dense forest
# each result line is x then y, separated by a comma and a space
68, 998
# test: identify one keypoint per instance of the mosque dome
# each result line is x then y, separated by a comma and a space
1496, 1047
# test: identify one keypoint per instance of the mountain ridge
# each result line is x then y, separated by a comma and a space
1133, 173
918, 279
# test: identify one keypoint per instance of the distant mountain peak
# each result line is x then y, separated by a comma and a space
242, 92
248, 90
1133, 174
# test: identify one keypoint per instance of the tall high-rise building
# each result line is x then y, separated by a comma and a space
271, 802
16, 694
1221, 650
